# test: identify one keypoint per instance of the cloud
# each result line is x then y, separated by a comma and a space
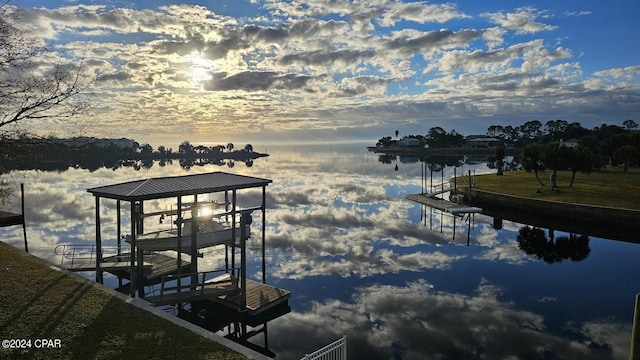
578, 13
325, 70
418, 12
409, 43
343, 57
387, 321
522, 21
256, 81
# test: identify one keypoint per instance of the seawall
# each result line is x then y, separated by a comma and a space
600, 221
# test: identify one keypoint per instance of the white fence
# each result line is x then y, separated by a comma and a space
337, 350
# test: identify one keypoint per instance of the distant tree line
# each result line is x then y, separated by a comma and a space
545, 146
54, 154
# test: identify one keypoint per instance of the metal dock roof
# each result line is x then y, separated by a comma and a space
164, 187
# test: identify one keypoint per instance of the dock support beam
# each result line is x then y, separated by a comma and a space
98, 243
243, 263
264, 228
193, 245
233, 228
179, 222
119, 227
634, 353
134, 273
24, 222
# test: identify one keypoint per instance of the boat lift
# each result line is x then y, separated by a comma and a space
179, 187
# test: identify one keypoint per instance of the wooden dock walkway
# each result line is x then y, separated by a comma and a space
154, 265
160, 265
442, 204
260, 297
225, 290
222, 285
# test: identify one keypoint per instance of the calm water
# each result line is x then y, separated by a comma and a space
399, 281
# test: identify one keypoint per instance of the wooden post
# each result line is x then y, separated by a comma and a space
140, 218
233, 229
469, 229
470, 201
422, 176
264, 228
634, 353
442, 182
455, 181
119, 230
194, 249
140, 254
24, 222
179, 243
454, 227
98, 243
431, 185
132, 266
243, 263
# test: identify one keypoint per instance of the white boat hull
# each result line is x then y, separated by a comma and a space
168, 239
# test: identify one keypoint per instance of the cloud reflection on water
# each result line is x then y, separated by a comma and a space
360, 260
417, 321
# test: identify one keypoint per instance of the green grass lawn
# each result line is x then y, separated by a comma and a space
608, 187
37, 302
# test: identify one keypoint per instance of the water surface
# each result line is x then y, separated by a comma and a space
400, 281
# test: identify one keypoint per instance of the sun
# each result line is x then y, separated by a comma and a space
200, 68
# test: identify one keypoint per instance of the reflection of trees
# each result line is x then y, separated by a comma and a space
533, 241
386, 158
48, 157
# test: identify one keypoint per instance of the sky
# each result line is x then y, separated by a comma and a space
334, 70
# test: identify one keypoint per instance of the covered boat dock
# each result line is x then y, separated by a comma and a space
184, 191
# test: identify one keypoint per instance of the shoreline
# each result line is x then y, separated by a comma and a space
440, 151
600, 221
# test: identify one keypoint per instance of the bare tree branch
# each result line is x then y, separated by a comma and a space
31, 86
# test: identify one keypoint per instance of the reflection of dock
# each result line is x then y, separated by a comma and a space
242, 327
442, 204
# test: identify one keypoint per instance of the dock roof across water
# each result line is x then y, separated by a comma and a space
164, 187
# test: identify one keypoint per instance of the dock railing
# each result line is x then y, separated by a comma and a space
75, 255
337, 350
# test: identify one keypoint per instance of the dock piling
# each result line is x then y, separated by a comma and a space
634, 353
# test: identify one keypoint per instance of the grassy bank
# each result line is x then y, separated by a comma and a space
38, 302
609, 187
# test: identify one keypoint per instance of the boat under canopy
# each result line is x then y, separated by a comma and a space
208, 233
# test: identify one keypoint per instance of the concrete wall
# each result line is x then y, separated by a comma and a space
576, 213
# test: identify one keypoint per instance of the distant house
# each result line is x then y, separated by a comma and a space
482, 142
571, 143
409, 142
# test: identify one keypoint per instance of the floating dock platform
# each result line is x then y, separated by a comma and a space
442, 204
225, 290
260, 297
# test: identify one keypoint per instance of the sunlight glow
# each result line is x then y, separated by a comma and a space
201, 69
